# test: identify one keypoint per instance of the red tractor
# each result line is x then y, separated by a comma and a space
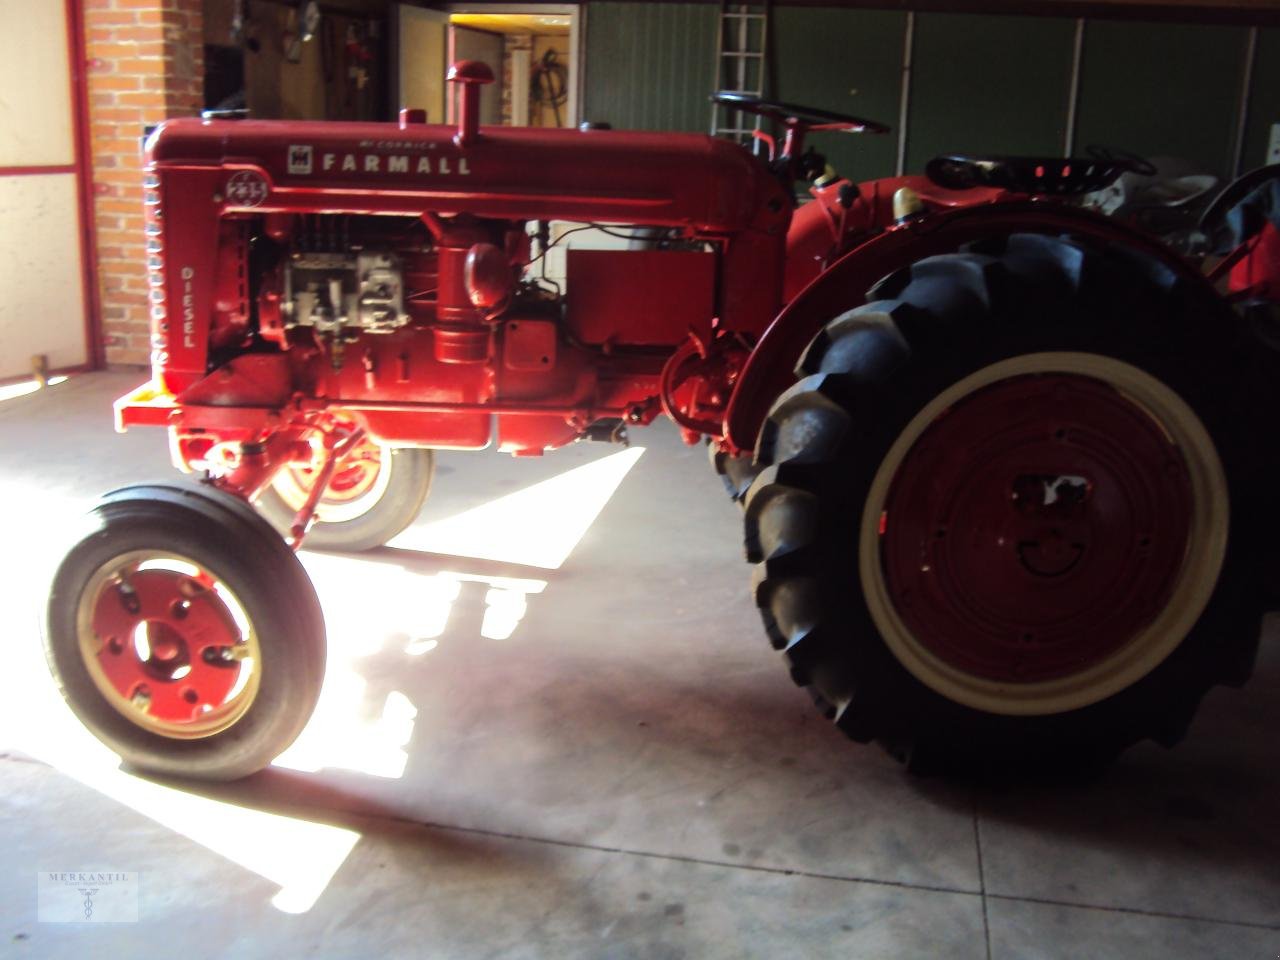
1001, 460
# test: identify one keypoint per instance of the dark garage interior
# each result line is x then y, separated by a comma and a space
560, 401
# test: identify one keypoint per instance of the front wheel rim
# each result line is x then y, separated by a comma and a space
1121, 488
168, 645
359, 482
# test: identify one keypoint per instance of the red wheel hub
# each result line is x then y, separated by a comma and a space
353, 477
167, 643
1035, 527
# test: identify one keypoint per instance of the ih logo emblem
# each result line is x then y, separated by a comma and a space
246, 189
300, 159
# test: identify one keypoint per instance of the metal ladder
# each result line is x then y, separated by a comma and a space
740, 66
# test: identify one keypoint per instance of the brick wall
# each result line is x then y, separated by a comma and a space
145, 65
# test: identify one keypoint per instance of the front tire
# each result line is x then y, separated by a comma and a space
185, 635
1009, 516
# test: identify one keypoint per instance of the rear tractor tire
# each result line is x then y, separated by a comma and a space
736, 473
1009, 517
375, 492
185, 635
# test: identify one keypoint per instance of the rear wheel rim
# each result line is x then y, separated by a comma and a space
168, 645
1043, 533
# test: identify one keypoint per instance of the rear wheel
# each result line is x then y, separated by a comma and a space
1009, 515
185, 634
375, 492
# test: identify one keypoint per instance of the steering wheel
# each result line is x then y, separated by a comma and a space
791, 115
1122, 159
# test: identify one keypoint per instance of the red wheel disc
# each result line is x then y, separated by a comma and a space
167, 644
355, 475
1035, 527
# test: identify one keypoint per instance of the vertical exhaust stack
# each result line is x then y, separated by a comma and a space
470, 75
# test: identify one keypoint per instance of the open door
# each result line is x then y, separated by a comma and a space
467, 43
533, 50
420, 43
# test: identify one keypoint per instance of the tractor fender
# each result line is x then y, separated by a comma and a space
771, 367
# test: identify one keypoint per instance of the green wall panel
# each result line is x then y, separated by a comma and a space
849, 61
650, 66
1264, 102
988, 85
980, 84
1162, 89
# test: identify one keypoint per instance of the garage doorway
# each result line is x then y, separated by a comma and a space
533, 50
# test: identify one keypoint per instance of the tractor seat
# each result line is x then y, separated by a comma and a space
1059, 176
1241, 210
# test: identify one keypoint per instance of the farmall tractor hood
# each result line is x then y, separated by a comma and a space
624, 177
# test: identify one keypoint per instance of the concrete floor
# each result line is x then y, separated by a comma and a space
630, 774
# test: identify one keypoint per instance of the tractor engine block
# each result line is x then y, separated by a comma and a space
332, 292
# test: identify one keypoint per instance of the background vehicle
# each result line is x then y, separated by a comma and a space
999, 457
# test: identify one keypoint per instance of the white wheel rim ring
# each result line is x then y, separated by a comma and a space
1207, 547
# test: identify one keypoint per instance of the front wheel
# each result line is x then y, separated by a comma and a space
1010, 514
185, 634
375, 492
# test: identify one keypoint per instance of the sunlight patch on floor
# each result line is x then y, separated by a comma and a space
538, 526
298, 855
376, 608
26, 387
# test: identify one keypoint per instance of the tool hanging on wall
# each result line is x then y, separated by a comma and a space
241, 23
358, 56
306, 21
549, 86
310, 20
